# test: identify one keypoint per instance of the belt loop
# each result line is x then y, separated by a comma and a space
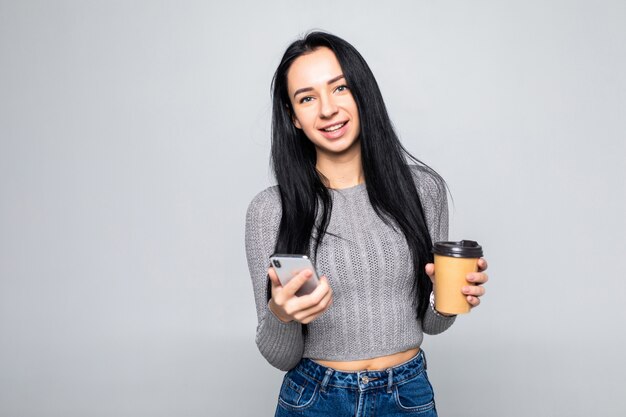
329, 372
424, 357
389, 380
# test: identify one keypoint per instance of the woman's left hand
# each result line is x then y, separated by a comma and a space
472, 292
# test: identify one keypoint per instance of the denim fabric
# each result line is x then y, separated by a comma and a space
310, 389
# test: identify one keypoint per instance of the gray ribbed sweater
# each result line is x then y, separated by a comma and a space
369, 270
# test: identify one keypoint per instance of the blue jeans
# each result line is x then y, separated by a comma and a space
311, 389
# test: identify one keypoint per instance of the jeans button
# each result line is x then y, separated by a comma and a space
365, 379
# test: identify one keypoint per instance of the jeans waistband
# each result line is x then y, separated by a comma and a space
363, 380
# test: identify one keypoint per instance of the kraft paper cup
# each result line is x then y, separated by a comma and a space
453, 261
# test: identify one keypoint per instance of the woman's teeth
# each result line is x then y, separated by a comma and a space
335, 127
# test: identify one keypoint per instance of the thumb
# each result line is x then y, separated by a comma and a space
430, 271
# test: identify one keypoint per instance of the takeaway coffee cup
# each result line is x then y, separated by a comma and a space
453, 261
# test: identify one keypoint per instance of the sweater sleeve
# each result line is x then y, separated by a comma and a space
282, 344
435, 203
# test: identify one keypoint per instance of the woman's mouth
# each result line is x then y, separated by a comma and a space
334, 131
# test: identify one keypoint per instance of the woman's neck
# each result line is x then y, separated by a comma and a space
341, 171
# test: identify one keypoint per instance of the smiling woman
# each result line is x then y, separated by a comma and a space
323, 106
348, 199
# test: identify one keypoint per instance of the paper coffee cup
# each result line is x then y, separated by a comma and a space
453, 261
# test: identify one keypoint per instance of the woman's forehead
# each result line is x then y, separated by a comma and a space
313, 69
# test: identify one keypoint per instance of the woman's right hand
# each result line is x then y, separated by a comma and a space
287, 306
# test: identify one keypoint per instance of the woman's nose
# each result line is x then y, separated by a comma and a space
328, 107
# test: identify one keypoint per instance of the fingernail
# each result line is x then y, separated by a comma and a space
466, 289
470, 277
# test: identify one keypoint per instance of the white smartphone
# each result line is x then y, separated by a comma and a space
288, 266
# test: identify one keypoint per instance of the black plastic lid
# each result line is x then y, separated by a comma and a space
462, 249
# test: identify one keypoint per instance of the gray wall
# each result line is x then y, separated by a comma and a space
134, 134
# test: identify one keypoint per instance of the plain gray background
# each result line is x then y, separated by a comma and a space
133, 135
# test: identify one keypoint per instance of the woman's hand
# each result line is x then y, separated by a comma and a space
472, 292
287, 306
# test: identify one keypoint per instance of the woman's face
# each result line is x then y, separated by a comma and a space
322, 103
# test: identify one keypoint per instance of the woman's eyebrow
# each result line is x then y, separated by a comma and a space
332, 80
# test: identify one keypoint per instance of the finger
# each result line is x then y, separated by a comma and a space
273, 277
298, 281
309, 319
316, 309
309, 300
314, 316
477, 277
474, 290
430, 271
313, 303
474, 301
482, 264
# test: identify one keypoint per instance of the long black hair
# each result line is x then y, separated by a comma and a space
306, 201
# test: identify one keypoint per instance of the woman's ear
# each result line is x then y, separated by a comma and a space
294, 119
296, 122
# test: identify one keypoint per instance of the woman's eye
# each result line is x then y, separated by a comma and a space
305, 99
341, 88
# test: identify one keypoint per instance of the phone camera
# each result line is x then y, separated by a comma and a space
276, 263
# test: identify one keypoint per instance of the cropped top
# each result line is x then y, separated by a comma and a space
369, 268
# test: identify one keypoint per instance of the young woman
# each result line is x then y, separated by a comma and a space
346, 197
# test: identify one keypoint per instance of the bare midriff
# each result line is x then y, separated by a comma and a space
373, 364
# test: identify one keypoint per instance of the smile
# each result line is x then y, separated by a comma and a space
335, 131
334, 127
